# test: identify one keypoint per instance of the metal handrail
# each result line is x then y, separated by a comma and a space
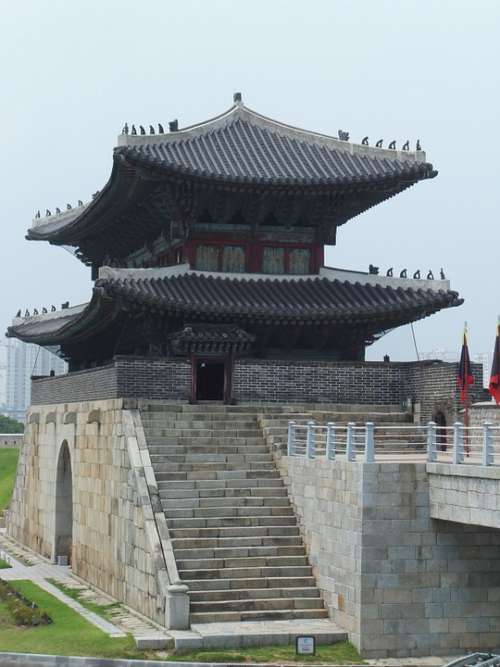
457, 444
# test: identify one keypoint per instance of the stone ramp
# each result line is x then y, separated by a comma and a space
234, 533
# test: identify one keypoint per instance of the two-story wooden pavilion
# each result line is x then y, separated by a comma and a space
207, 243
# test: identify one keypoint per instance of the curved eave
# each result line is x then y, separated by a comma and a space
129, 178
112, 200
375, 308
404, 305
96, 316
413, 173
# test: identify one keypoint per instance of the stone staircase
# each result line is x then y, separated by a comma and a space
235, 536
390, 423
234, 533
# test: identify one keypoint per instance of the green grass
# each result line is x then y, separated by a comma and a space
100, 609
5, 616
342, 653
69, 634
8, 465
4, 565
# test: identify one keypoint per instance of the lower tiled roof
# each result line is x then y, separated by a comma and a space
307, 299
195, 297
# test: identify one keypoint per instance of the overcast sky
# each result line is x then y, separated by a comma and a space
73, 72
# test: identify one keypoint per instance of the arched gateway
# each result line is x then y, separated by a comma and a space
64, 505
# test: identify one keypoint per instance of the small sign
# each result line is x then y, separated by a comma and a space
305, 645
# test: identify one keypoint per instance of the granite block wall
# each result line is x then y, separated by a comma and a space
465, 493
112, 525
417, 586
327, 499
484, 412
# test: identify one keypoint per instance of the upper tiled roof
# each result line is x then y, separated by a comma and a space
244, 146
238, 148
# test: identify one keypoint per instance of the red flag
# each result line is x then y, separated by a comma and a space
465, 377
494, 386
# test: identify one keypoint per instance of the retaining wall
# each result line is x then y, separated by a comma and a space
401, 582
113, 528
468, 494
484, 412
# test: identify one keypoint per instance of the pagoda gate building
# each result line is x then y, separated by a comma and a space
207, 243
157, 465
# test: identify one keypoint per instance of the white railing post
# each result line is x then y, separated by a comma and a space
487, 445
330, 441
369, 442
351, 445
291, 438
311, 445
458, 454
431, 442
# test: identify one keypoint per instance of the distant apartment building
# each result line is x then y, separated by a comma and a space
3, 376
23, 361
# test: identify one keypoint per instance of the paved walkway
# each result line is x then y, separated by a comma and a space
26, 565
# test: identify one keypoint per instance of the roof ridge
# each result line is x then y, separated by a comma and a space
240, 111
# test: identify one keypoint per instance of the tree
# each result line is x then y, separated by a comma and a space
8, 425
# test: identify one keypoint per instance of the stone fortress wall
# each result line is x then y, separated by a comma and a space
402, 583
116, 545
399, 581
430, 383
11, 440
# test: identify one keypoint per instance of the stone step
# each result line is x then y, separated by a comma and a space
257, 408
187, 441
239, 563
201, 408
223, 502
222, 554
236, 532
218, 484
274, 615
170, 450
231, 521
240, 492
229, 512
213, 466
194, 434
247, 572
235, 536
216, 421
339, 418
208, 475
211, 458
254, 593
256, 604
227, 586
202, 543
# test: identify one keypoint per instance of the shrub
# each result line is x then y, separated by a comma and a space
23, 611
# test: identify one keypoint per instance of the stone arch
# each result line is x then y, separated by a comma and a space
64, 504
